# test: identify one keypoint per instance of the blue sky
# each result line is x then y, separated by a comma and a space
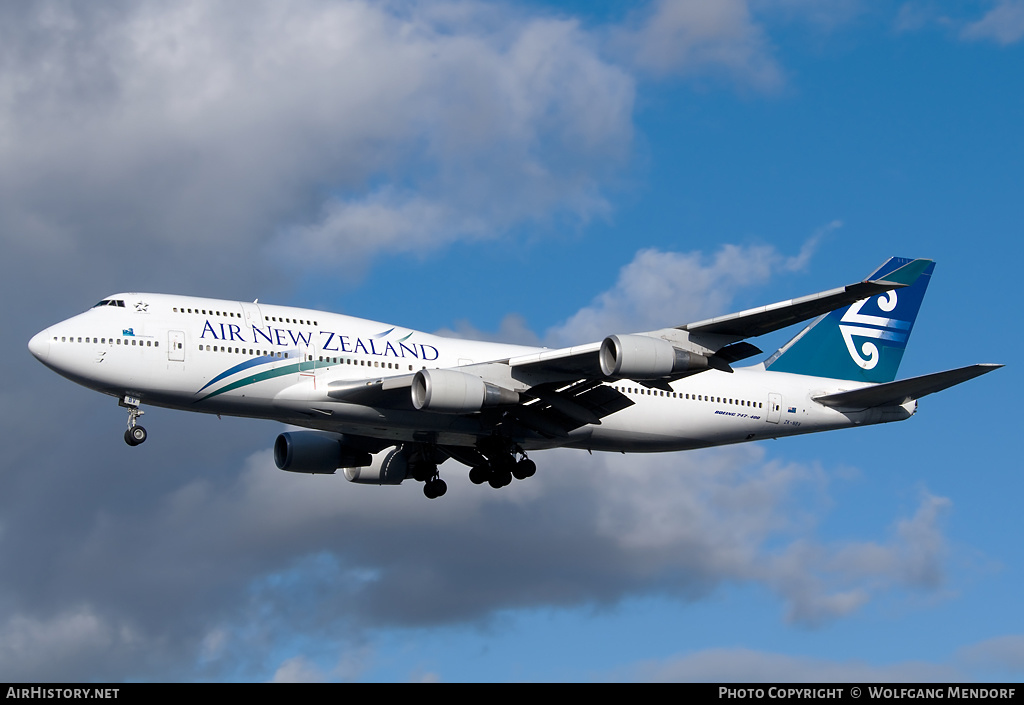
542, 173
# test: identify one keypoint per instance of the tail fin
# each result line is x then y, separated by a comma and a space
863, 342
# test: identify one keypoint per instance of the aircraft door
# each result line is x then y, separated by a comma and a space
253, 315
774, 407
176, 346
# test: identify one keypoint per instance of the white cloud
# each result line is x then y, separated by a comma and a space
737, 665
350, 127
659, 289
298, 670
32, 645
141, 132
822, 15
1003, 24
690, 37
1002, 652
740, 665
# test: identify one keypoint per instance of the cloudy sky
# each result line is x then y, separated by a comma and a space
534, 172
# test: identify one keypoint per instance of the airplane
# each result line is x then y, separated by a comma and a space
386, 404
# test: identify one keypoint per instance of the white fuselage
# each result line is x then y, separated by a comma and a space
278, 362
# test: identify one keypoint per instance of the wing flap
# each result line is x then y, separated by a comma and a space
556, 412
579, 360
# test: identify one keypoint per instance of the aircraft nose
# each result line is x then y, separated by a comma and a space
40, 346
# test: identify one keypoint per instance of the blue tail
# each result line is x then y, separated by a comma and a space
864, 342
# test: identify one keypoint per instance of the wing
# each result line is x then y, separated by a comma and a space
758, 321
716, 339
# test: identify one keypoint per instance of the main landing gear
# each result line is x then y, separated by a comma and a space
135, 434
424, 470
433, 485
501, 467
434, 488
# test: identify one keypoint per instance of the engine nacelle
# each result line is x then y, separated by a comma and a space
388, 467
316, 453
641, 357
454, 392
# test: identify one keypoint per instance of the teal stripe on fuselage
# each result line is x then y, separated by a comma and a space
261, 360
262, 377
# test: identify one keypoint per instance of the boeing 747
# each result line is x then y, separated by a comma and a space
387, 404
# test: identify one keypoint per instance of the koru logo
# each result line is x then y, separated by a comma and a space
886, 330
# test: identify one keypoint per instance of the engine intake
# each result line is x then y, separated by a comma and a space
641, 357
454, 392
316, 453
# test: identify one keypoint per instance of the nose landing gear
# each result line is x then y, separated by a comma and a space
135, 434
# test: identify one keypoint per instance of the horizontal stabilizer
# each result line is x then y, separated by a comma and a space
904, 390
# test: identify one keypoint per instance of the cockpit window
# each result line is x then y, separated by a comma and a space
111, 302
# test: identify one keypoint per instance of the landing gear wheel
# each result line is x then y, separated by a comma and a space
500, 478
135, 435
479, 475
435, 488
524, 468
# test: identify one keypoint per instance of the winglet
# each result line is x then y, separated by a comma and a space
903, 275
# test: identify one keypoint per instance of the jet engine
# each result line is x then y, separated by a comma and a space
454, 392
641, 357
316, 453
388, 467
